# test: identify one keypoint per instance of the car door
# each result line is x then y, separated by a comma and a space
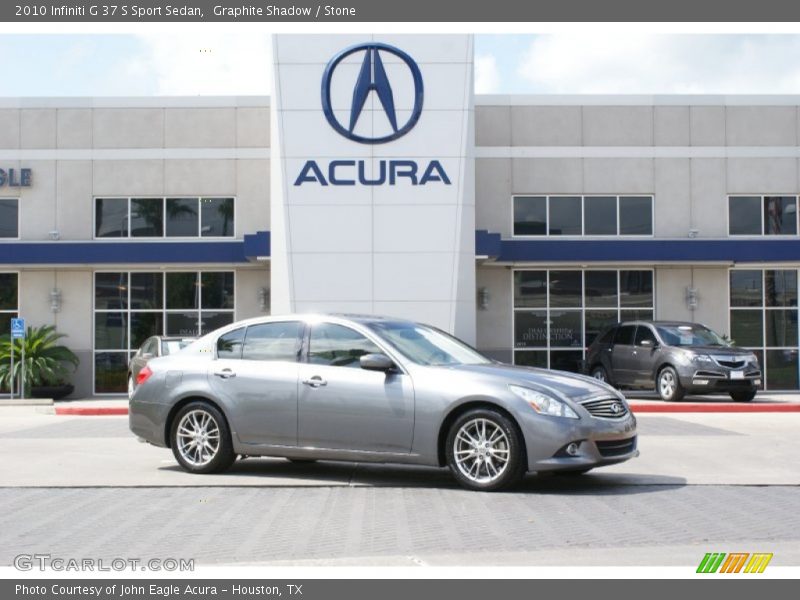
341, 405
645, 350
622, 355
256, 370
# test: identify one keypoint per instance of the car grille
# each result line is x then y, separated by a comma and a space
616, 447
730, 362
607, 408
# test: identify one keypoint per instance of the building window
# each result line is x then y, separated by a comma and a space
762, 215
9, 218
583, 215
559, 312
763, 318
164, 217
129, 307
9, 304
9, 300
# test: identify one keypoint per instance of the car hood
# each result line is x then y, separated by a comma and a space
568, 385
716, 350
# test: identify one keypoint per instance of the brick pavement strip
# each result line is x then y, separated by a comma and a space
234, 525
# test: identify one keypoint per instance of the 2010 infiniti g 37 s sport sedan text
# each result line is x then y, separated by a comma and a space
373, 389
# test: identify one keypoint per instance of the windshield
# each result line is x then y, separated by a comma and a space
690, 335
426, 345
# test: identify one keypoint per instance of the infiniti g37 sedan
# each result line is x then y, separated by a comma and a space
373, 389
674, 357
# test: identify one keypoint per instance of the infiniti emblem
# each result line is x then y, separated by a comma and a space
372, 77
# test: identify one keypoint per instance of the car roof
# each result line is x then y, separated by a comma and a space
662, 323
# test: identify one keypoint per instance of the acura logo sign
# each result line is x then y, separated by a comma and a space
372, 77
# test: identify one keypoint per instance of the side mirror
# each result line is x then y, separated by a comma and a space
376, 362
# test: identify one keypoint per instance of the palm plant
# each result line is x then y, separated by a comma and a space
46, 361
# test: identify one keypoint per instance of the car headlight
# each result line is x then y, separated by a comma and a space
702, 359
542, 404
752, 359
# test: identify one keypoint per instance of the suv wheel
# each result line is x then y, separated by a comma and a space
668, 385
201, 440
484, 450
746, 396
600, 373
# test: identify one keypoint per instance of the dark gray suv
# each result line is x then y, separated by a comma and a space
675, 358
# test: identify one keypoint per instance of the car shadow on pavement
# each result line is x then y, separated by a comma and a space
275, 472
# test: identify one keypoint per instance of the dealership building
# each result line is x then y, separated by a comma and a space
373, 180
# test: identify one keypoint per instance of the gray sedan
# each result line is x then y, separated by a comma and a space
373, 389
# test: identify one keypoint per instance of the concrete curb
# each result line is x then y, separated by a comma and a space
99, 411
676, 407
27, 402
715, 407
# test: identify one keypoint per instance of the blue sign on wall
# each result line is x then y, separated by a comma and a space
17, 329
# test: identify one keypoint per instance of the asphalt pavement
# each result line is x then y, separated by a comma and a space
83, 486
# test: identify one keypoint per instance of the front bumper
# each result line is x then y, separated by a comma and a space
721, 380
599, 442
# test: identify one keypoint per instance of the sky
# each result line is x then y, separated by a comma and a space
239, 64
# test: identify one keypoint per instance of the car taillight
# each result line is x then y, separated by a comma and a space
143, 375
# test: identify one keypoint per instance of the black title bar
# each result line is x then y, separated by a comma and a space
439, 11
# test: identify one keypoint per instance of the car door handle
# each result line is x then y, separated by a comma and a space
315, 382
225, 374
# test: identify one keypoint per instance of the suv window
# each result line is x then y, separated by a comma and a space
230, 344
607, 337
624, 335
338, 346
644, 333
272, 341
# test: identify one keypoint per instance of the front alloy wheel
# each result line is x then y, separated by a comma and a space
200, 439
484, 450
669, 386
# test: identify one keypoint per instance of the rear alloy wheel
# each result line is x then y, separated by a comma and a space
484, 450
600, 373
746, 396
668, 385
201, 440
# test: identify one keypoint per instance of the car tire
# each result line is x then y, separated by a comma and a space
496, 447
668, 385
201, 440
746, 396
599, 372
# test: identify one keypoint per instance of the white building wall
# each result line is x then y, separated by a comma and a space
400, 250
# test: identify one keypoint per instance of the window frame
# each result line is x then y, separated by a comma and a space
621, 310
199, 235
763, 234
131, 351
15, 312
583, 234
19, 224
763, 348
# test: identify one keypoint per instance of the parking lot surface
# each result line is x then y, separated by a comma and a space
83, 486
